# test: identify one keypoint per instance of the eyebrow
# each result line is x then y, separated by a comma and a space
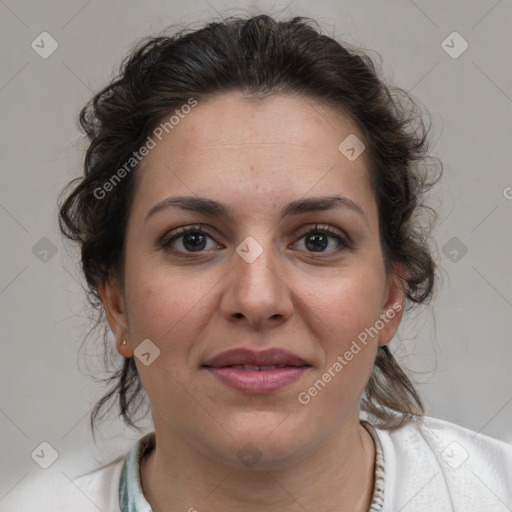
214, 208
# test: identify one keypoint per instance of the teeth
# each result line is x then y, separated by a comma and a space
256, 368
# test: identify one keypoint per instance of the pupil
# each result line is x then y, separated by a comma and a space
194, 241
319, 242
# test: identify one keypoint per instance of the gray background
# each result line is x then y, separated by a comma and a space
459, 350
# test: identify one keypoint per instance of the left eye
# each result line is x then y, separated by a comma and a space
317, 239
194, 239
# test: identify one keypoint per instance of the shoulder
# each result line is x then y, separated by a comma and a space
431, 462
437, 433
453, 444
57, 491
103, 484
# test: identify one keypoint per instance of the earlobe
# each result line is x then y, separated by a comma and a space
113, 301
394, 303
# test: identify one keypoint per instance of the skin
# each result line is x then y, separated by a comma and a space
254, 156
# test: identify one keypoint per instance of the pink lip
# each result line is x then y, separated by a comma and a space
226, 367
264, 381
269, 357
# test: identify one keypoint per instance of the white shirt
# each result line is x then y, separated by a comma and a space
427, 466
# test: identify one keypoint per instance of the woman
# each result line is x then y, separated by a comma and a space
249, 225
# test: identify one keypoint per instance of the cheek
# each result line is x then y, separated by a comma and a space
167, 307
166, 310
346, 306
343, 311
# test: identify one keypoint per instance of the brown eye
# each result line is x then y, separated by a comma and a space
194, 241
191, 239
318, 240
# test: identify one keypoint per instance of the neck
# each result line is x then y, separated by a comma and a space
338, 476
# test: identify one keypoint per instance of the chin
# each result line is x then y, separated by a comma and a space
261, 446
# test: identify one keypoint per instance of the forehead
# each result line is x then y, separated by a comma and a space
232, 144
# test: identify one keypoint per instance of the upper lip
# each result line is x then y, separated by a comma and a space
269, 357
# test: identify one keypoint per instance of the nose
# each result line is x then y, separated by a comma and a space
256, 291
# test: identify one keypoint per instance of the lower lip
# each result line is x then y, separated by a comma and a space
265, 381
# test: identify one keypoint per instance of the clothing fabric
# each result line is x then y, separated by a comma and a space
429, 465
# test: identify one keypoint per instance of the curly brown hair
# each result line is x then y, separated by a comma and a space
260, 57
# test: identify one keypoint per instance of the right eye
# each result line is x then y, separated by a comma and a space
186, 240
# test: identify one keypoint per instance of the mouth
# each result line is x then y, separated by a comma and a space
257, 368
257, 372
257, 379
248, 359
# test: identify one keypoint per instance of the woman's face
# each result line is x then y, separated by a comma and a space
262, 277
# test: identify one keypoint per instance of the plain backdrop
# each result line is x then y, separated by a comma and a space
458, 350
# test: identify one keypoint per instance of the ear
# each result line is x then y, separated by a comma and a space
393, 303
114, 303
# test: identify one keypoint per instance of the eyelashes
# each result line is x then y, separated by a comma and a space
196, 238
183, 232
327, 232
